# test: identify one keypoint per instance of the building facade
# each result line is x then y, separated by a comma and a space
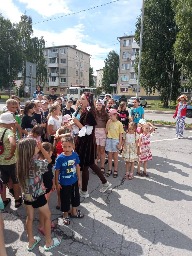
66, 66
99, 77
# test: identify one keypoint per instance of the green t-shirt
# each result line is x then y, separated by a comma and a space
7, 147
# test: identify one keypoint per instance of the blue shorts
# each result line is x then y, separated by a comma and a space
111, 145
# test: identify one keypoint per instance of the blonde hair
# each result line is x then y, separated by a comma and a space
26, 149
53, 108
11, 102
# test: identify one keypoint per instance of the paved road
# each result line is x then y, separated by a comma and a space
145, 216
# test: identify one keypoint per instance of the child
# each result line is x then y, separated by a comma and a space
67, 179
137, 112
180, 113
100, 131
36, 133
48, 181
114, 130
130, 150
144, 148
123, 115
30, 170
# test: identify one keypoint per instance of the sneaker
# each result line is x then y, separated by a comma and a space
180, 137
84, 194
105, 187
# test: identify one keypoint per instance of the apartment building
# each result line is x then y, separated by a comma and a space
66, 66
99, 77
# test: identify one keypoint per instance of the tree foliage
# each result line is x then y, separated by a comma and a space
110, 71
91, 81
183, 44
159, 68
17, 45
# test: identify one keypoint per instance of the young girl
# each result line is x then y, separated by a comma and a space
30, 170
180, 113
54, 122
28, 120
123, 115
36, 133
67, 178
144, 148
130, 150
100, 131
114, 130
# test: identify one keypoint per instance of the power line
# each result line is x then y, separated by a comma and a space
73, 13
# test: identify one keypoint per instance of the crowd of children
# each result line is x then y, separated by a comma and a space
56, 143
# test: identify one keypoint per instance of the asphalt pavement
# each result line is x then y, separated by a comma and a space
145, 216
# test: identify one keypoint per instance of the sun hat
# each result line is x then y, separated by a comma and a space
7, 118
66, 118
100, 101
113, 111
182, 96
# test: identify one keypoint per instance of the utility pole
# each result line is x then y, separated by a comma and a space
140, 51
9, 72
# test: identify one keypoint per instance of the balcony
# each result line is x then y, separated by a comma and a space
135, 45
56, 83
53, 74
53, 65
52, 55
132, 70
132, 81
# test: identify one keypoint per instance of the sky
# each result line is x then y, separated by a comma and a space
62, 22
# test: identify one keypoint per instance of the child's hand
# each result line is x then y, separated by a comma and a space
138, 152
79, 183
53, 187
59, 187
39, 145
118, 146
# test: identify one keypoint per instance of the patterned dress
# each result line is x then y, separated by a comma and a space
130, 148
145, 148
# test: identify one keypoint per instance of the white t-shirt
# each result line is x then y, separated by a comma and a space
55, 122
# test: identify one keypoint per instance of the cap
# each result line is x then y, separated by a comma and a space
7, 118
113, 111
100, 101
182, 96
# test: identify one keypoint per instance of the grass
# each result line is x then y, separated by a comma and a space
165, 123
158, 105
4, 97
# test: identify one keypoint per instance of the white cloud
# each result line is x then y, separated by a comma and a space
47, 8
10, 11
75, 36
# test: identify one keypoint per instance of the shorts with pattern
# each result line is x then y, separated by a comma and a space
100, 135
111, 145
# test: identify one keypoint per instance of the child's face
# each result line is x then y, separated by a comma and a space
67, 148
113, 117
146, 128
131, 129
12, 108
98, 106
44, 106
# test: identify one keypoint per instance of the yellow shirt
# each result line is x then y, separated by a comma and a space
114, 129
7, 147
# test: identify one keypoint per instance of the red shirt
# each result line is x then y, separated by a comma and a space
59, 148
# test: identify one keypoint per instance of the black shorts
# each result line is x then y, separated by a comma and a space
8, 172
69, 195
41, 201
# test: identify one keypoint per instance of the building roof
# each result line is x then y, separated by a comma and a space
128, 36
70, 46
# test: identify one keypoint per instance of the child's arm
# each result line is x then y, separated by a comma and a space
12, 142
152, 127
107, 125
138, 143
58, 186
44, 152
78, 174
76, 122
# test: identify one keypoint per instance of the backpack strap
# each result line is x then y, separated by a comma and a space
2, 137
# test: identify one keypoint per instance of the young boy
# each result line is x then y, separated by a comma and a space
67, 179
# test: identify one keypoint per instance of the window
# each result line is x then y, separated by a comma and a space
186, 90
81, 74
53, 79
62, 70
132, 63
132, 75
63, 60
52, 60
124, 89
63, 80
53, 70
125, 66
126, 55
77, 73
54, 50
124, 78
62, 50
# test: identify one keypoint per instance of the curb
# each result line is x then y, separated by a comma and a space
168, 126
159, 112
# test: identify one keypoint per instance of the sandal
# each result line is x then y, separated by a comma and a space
103, 170
115, 174
131, 176
139, 174
56, 242
78, 216
145, 174
18, 202
127, 175
66, 221
108, 173
37, 240
6, 202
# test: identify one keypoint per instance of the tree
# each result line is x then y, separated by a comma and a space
91, 81
159, 68
110, 71
183, 44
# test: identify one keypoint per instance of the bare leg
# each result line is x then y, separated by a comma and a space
17, 191
145, 167
110, 155
3, 194
115, 157
127, 170
29, 224
102, 156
